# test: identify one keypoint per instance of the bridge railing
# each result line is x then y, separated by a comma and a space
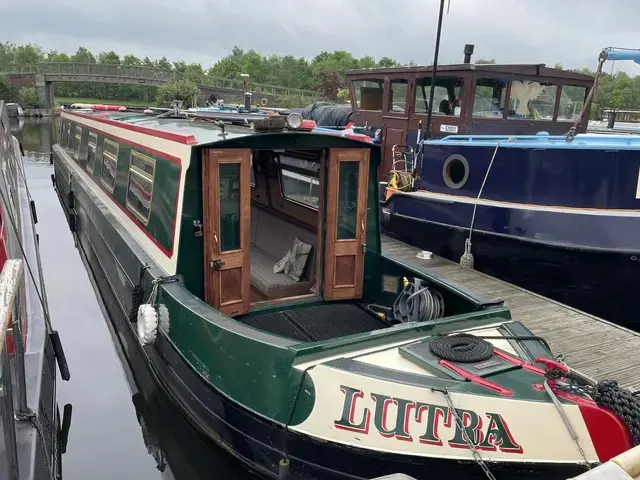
156, 75
256, 88
92, 69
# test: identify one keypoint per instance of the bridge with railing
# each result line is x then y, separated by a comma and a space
43, 75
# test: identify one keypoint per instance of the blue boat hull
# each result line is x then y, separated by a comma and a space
595, 280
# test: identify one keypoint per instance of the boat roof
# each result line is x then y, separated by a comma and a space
195, 130
539, 70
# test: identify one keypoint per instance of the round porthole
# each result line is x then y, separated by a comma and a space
455, 171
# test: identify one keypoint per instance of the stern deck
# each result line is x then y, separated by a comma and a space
590, 344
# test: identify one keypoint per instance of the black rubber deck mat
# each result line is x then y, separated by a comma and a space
320, 322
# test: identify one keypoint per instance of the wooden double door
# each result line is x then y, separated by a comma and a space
226, 188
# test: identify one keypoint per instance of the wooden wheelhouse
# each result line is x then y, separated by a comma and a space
468, 99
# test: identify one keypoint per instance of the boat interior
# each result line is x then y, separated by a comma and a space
292, 246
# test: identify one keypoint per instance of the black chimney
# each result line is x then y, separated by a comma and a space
468, 51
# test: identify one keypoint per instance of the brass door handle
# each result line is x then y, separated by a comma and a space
217, 264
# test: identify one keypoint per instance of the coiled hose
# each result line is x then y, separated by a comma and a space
418, 303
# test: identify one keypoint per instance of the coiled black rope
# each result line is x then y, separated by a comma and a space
462, 348
607, 394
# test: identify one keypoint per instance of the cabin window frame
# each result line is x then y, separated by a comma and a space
299, 171
560, 89
372, 78
540, 81
507, 93
436, 114
92, 147
388, 97
110, 156
77, 142
70, 138
134, 170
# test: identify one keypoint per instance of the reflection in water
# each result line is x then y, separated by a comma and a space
122, 429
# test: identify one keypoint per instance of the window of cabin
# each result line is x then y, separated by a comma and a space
69, 137
109, 164
447, 95
64, 133
571, 102
91, 152
531, 100
398, 95
77, 141
489, 97
369, 94
300, 180
140, 188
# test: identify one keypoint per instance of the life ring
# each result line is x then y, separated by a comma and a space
147, 324
264, 102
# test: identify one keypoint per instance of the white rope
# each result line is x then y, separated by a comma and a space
466, 260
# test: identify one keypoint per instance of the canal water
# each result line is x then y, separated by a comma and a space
123, 426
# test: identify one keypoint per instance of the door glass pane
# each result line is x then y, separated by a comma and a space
229, 207
348, 200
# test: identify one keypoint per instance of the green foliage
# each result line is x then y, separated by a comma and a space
28, 97
343, 95
485, 61
5, 90
180, 90
324, 73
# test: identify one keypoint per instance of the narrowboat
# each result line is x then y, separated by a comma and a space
556, 214
32, 435
241, 257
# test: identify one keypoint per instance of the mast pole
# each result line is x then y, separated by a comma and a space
433, 71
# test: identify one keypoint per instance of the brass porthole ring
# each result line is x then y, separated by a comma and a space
455, 171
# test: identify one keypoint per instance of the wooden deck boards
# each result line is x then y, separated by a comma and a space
594, 346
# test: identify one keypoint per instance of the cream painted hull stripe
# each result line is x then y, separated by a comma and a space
524, 206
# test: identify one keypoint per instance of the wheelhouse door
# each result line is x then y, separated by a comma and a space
346, 223
397, 106
226, 194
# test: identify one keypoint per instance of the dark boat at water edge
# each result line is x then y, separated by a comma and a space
31, 427
240, 257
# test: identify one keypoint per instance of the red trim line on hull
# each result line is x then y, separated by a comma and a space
154, 132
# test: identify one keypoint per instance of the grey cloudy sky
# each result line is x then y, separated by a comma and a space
570, 32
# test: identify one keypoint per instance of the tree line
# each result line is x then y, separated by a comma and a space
323, 73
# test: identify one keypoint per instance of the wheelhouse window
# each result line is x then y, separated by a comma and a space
109, 164
76, 142
490, 97
572, 99
300, 180
91, 152
531, 100
398, 95
369, 94
447, 95
140, 188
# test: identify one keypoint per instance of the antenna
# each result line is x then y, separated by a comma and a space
433, 71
